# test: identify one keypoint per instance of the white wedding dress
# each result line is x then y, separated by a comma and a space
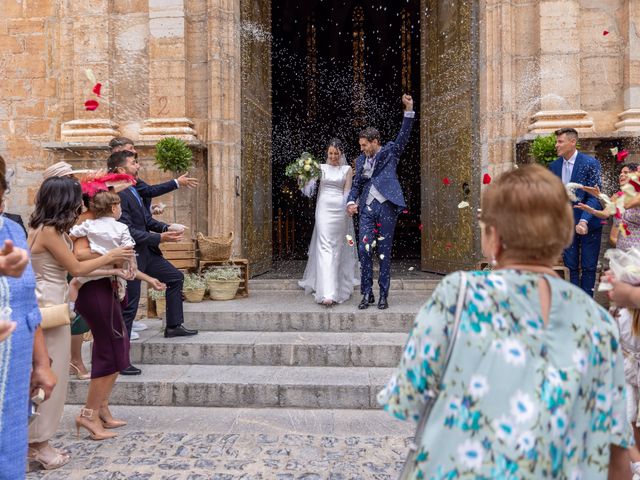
332, 269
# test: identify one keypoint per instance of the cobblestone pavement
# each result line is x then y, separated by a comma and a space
150, 454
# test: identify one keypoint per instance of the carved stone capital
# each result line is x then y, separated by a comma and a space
550, 120
157, 128
629, 121
97, 130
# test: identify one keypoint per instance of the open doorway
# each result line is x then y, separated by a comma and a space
338, 66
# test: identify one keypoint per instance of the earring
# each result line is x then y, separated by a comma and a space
494, 262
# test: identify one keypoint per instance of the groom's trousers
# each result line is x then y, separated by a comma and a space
377, 222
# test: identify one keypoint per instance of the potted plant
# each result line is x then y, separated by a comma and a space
223, 282
173, 155
158, 296
543, 149
194, 287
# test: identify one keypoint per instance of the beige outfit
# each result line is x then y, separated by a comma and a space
52, 289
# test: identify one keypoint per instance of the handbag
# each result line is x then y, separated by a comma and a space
55, 316
410, 462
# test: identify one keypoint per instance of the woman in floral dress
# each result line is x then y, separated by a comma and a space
534, 388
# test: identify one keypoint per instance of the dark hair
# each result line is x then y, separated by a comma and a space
3, 166
336, 143
370, 134
118, 159
101, 204
631, 166
569, 132
58, 204
119, 142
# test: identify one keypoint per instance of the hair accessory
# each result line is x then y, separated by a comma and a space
119, 181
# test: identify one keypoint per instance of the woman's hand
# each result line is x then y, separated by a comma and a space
42, 376
121, 254
585, 207
157, 284
624, 294
595, 191
125, 273
6, 329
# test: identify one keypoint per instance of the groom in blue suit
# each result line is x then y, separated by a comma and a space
377, 196
573, 166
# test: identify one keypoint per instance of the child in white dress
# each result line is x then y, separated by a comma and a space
104, 233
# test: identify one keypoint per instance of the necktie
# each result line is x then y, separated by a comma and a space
136, 194
566, 172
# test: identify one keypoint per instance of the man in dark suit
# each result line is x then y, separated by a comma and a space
148, 234
377, 196
573, 166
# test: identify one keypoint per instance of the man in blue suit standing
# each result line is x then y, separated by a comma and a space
377, 196
575, 167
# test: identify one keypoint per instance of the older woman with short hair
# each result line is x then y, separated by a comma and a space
534, 384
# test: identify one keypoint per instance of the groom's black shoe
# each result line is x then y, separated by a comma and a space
382, 303
367, 299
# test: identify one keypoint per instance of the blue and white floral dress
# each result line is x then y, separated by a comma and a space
519, 400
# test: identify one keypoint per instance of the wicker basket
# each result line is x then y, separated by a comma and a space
161, 307
194, 296
215, 248
223, 289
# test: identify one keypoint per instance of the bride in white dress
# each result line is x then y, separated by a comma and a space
332, 269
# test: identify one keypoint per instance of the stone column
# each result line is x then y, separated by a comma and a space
224, 135
560, 69
167, 73
90, 43
630, 118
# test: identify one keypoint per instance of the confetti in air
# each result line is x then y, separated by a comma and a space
446, 181
621, 156
486, 179
462, 205
90, 105
97, 88
605, 33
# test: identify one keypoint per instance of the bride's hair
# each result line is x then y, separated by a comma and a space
337, 144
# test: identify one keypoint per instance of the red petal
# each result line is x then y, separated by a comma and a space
378, 224
622, 155
91, 105
420, 227
446, 181
486, 179
96, 88
448, 246
605, 33
405, 211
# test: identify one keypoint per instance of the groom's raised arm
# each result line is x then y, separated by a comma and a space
407, 122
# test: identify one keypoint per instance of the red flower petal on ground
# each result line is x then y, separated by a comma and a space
446, 181
96, 88
486, 179
605, 33
622, 155
91, 105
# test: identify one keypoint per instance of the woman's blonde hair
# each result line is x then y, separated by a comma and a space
101, 204
531, 212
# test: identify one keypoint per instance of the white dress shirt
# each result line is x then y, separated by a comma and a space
567, 167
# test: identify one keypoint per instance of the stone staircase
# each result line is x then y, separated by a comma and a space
276, 348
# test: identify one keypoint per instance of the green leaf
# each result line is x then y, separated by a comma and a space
174, 155
543, 149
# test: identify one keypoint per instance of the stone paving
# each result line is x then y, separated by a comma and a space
172, 443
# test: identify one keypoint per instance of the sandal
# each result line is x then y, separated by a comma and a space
79, 376
47, 462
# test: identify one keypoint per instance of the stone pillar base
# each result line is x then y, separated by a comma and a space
98, 130
156, 128
551, 120
629, 121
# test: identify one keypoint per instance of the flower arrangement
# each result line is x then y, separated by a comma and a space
543, 149
304, 169
223, 274
156, 294
193, 281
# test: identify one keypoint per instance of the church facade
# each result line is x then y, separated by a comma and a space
490, 75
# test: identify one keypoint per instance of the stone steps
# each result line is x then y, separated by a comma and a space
397, 284
310, 349
272, 311
245, 386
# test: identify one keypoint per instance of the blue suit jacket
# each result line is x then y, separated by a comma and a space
147, 192
586, 171
384, 175
143, 227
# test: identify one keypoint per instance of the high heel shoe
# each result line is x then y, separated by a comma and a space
84, 420
79, 376
112, 422
48, 462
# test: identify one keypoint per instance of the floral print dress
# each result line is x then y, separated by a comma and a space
519, 400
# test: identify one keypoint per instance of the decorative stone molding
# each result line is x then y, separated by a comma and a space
157, 128
551, 120
96, 130
629, 121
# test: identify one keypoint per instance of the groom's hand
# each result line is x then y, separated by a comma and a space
408, 103
352, 209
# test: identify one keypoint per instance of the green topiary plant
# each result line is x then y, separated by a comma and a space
173, 155
543, 149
